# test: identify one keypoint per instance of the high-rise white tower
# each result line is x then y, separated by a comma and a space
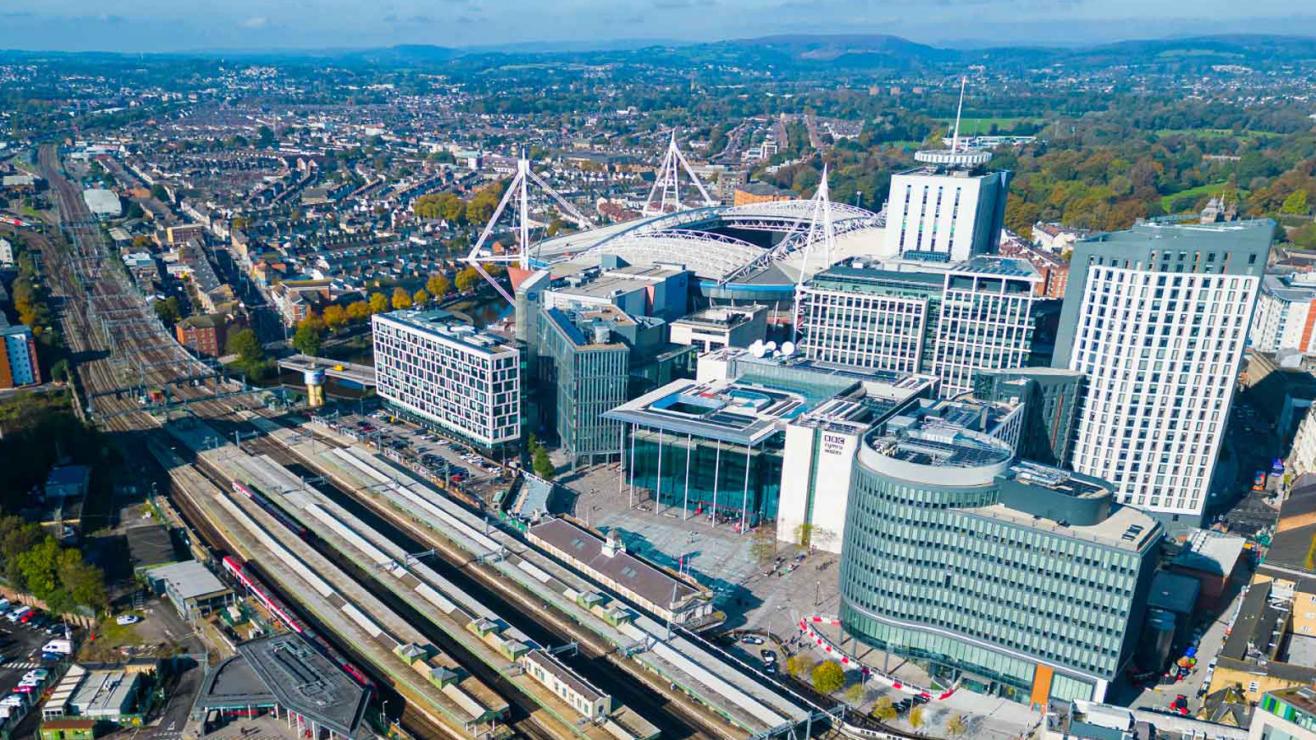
1157, 319
949, 209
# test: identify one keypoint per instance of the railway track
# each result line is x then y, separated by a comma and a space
119, 348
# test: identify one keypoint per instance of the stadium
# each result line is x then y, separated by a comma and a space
739, 254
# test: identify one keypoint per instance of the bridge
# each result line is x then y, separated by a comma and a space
362, 375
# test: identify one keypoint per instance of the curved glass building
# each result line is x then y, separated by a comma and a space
1014, 579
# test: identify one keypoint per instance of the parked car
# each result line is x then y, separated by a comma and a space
127, 619
768, 656
751, 639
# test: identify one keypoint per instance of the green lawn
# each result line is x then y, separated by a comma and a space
1214, 133
972, 126
1197, 192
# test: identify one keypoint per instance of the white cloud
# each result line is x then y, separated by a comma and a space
256, 21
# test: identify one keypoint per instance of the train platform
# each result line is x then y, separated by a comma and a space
464, 705
722, 684
446, 606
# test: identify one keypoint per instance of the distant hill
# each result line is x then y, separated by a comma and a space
813, 52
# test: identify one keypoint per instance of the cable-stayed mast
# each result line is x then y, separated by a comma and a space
519, 191
821, 234
665, 195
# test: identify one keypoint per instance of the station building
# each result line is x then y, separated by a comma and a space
1015, 579
286, 677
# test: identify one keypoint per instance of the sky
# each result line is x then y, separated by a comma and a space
197, 25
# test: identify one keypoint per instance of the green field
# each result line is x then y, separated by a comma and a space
973, 126
1214, 133
1197, 192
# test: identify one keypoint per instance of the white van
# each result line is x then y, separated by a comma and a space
18, 613
64, 647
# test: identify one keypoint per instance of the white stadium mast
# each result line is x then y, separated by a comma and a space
822, 233
665, 195
518, 189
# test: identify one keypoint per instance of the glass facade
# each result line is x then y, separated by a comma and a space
702, 475
580, 382
928, 572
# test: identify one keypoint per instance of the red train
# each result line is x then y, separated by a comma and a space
246, 574
263, 502
252, 584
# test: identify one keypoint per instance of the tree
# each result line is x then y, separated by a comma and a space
540, 463
884, 709
957, 726
420, 297
916, 717
467, 279
167, 310
264, 137
59, 372
358, 311
159, 192
378, 303
85, 583
827, 677
438, 286
246, 346
309, 336
335, 317
799, 665
401, 299
1295, 204
764, 547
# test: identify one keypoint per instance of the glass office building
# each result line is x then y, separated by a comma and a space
583, 371
1013, 579
943, 320
713, 446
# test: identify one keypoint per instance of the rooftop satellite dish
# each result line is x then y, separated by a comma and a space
757, 349
787, 349
770, 346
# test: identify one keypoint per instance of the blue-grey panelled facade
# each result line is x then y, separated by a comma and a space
996, 602
581, 381
741, 483
1051, 399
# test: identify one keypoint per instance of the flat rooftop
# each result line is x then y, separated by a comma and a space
721, 318
579, 322
603, 286
1211, 552
1247, 235
1056, 479
729, 411
1125, 528
303, 680
444, 325
189, 579
1000, 266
